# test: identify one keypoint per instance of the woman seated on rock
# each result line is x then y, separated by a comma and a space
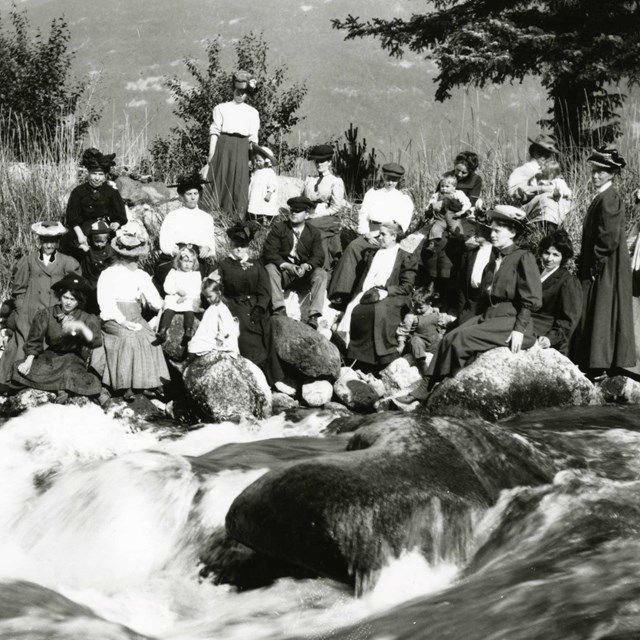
511, 291
60, 343
469, 182
247, 292
132, 358
556, 320
371, 319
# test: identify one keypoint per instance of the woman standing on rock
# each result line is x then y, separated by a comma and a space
557, 318
511, 291
235, 125
604, 339
132, 359
247, 293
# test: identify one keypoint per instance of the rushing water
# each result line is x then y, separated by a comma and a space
102, 528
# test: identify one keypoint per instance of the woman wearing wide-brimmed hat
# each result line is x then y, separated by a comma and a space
61, 340
511, 291
326, 191
235, 125
604, 339
31, 291
132, 359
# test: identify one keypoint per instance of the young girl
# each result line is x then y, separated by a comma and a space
422, 328
263, 203
182, 287
218, 330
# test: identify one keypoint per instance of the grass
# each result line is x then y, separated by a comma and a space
38, 189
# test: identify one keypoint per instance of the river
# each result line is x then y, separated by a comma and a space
102, 528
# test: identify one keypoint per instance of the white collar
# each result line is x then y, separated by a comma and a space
544, 276
605, 186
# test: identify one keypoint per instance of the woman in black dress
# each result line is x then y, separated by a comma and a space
247, 293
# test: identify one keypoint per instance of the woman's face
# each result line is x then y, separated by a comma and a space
239, 252
68, 302
461, 171
239, 93
386, 238
501, 235
600, 176
323, 166
96, 178
551, 258
49, 246
390, 182
191, 198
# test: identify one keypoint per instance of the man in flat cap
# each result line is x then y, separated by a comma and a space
387, 204
294, 258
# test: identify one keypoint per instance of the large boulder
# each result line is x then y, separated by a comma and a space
405, 481
134, 192
288, 187
355, 392
174, 347
305, 352
618, 389
224, 387
500, 384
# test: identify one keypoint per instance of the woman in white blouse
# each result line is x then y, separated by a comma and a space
132, 360
235, 125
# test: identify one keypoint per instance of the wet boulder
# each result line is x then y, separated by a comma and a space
175, 346
303, 351
354, 392
500, 384
223, 387
317, 394
618, 389
402, 482
23, 400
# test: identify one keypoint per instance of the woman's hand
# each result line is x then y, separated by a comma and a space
204, 251
131, 326
544, 342
114, 226
25, 366
372, 238
515, 340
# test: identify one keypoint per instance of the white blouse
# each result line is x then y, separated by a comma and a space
385, 205
218, 331
188, 226
231, 117
120, 284
189, 282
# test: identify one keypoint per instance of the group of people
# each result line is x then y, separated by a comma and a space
443, 285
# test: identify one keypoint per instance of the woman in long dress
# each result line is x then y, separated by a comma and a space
132, 358
604, 339
235, 125
31, 290
60, 343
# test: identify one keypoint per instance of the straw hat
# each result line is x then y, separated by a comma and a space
48, 229
510, 214
130, 241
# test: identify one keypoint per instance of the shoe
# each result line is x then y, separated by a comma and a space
280, 311
161, 336
339, 302
129, 395
62, 397
186, 336
312, 321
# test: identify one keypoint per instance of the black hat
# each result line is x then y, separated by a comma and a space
321, 152
300, 203
99, 227
607, 158
186, 183
93, 160
71, 282
242, 233
393, 170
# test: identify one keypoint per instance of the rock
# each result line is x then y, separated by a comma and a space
134, 192
173, 347
227, 388
305, 351
317, 394
337, 407
288, 187
405, 481
500, 384
399, 376
618, 389
353, 392
282, 402
25, 399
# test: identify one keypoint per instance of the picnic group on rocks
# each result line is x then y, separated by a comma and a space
451, 287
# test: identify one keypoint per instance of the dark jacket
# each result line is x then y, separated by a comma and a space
560, 311
279, 242
86, 205
605, 336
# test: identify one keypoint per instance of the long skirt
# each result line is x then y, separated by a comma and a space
346, 273
461, 346
229, 176
128, 359
329, 228
53, 371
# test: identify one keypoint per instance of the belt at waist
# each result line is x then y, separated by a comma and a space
233, 135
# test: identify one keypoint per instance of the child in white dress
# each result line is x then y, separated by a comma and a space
182, 287
263, 202
218, 329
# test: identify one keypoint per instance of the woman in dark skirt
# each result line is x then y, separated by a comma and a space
235, 125
60, 343
604, 339
371, 319
247, 293
561, 307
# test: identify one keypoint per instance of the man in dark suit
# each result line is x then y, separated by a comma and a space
294, 258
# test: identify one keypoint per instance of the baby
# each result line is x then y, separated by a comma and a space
448, 205
218, 330
550, 181
422, 328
